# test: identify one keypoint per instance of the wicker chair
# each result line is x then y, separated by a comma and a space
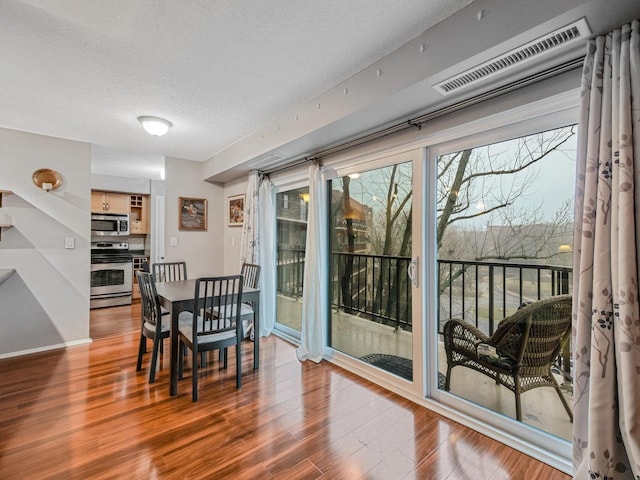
520, 353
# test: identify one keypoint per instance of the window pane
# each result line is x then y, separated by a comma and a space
370, 235
291, 212
505, 235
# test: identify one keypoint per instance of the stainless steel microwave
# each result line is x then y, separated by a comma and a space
109, 224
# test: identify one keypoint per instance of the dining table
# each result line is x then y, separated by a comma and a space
179, 296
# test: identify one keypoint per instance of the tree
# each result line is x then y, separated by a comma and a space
492, 178
483, 184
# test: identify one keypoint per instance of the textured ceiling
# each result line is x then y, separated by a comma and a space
84, 70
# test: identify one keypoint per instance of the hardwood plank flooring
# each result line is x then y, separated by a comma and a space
84, 412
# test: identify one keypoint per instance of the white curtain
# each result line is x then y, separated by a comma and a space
606, 315
249, 245
315, 294
267, 250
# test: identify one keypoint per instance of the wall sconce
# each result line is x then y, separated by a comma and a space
304, 197
46, 179
155, 126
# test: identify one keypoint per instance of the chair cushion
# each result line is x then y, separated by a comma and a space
151, 327
185, 327
490, 355
187, 332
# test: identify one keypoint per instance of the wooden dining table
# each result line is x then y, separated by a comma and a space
178, 297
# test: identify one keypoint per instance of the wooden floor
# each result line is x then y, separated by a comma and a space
85, 413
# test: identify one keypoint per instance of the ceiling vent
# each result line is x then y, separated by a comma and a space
551, 42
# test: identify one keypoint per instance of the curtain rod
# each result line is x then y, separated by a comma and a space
418, 121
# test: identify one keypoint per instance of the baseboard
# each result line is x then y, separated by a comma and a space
45, 348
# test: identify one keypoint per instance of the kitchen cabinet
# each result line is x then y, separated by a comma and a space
139, 214
109, 202
137, 266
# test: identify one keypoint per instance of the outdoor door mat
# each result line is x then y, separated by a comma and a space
402, 367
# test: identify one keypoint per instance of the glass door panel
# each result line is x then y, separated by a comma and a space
504, 235
370, 234
291, 237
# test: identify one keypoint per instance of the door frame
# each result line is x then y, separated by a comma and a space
370, 162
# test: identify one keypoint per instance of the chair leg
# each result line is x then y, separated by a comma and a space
141, 349
154, 360
181, 358
562, 399
194, 376
447, 381
518, 394
238, 365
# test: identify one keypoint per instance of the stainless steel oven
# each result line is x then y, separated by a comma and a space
111, 274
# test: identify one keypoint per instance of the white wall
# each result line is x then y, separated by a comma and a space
202, 251
45, 304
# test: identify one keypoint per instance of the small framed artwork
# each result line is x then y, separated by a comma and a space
235, 210
192, 214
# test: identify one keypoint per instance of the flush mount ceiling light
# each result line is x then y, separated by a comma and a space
155, 126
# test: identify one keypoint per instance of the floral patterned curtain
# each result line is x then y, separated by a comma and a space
606, 314
250, 236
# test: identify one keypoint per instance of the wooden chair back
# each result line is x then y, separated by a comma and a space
251, 274
169, 271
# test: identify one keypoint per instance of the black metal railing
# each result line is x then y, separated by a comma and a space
483, 293
372, 286
290, 271
377, 287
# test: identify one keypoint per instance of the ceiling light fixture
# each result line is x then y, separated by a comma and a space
155, 126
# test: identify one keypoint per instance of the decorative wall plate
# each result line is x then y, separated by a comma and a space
46, 175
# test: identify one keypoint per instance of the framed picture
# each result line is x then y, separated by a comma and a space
192, 214
235, 209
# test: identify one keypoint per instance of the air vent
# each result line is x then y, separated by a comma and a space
516, 57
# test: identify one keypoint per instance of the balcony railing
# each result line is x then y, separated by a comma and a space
483, 293
290, 272
376, 287
372, 286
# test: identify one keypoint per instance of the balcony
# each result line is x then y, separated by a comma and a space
371, 318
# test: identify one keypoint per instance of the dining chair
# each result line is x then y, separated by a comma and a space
169, 271
202, 333
250, 273
520, 353
155, 325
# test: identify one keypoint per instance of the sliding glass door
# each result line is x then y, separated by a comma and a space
291, 237
372, 239
504, 236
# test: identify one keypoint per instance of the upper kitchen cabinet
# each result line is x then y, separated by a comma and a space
109, 202
139, 214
